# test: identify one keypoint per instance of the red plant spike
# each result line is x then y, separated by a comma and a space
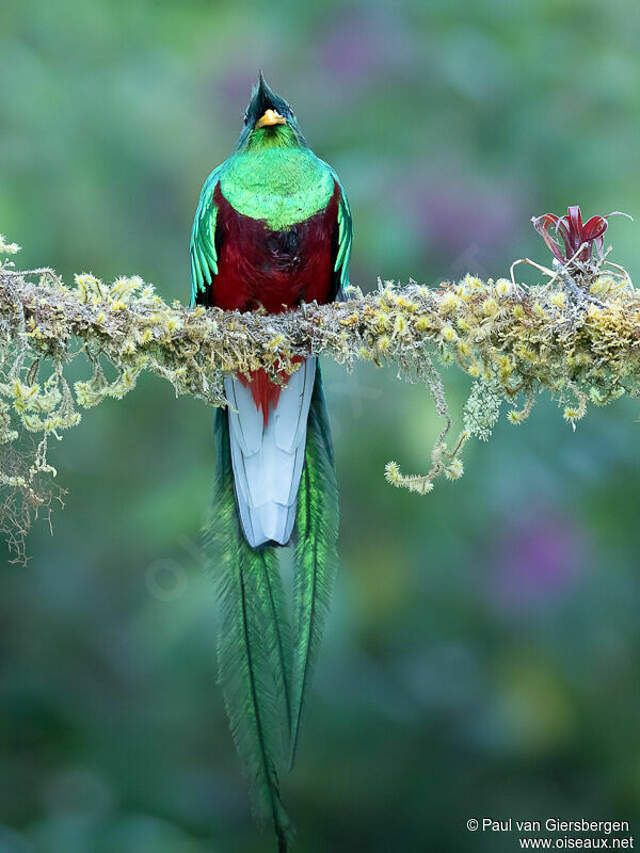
578, 239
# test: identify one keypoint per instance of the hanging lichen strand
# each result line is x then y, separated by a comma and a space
576, 336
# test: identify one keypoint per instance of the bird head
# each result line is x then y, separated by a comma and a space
269, 121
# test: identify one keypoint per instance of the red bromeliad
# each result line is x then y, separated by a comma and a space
578, 238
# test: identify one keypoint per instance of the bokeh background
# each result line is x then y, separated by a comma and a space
483, 651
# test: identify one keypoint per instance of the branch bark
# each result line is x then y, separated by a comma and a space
581, 344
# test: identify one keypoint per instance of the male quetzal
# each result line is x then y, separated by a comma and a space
272, 229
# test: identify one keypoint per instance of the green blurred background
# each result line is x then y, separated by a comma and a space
483, 651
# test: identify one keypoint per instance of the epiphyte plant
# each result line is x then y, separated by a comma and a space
578, 239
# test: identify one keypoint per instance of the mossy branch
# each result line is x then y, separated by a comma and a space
576, 336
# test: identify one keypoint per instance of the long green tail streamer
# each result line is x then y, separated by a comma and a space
264, 673
253, 646
316, 558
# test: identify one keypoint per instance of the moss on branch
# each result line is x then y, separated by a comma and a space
576, 336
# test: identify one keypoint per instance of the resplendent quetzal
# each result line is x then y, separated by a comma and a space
272, 229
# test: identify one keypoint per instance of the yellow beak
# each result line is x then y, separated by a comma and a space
270, 118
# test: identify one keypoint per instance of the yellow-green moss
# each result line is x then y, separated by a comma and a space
513, 341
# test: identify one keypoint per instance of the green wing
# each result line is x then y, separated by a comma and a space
345, 235
202, 249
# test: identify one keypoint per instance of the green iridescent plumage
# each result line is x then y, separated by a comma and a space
264, 672
316, 557
297, 185
253, 645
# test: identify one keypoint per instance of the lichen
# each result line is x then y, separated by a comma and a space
579, 343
